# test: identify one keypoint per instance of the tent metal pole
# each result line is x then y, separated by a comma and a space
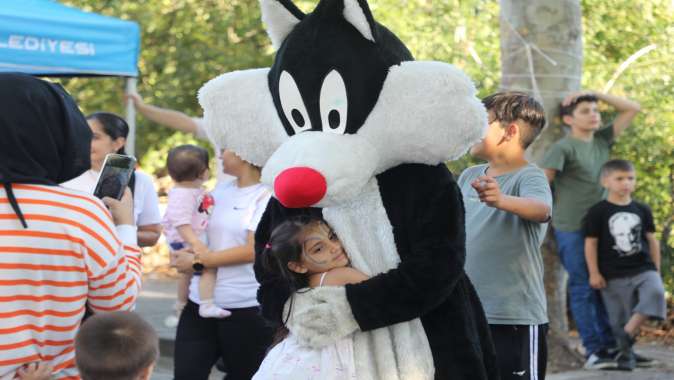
131, 117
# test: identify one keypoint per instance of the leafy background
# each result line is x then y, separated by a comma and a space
187, 42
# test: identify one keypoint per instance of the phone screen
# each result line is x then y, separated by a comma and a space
114, 176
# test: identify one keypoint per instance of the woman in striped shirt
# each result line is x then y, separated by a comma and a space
59, 248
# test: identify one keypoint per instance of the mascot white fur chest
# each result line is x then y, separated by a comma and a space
348, 126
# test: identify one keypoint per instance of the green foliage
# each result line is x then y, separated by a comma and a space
184, 44
187, 42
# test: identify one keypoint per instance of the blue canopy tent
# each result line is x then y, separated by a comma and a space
45, 38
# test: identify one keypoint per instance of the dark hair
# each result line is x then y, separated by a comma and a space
115, 346
283, 247
187, 162
511, 106
113, 125
616, 165
568, 110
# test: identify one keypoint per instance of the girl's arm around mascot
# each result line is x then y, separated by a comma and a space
425, 209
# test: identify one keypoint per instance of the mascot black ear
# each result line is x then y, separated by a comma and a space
280, 17
358, 14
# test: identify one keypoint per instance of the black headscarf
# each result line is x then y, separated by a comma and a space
44, 138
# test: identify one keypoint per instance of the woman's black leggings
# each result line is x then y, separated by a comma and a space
241, 340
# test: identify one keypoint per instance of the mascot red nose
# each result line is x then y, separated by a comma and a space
299, 187
347, 126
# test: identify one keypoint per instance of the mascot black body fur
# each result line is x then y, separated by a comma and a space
368, 129
425, 208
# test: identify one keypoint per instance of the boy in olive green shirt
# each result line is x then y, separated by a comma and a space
572, 165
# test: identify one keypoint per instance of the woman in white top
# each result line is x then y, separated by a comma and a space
109, 136
242, 338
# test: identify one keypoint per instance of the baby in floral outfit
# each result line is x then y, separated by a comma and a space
186, 220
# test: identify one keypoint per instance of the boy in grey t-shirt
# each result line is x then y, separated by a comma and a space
508, 204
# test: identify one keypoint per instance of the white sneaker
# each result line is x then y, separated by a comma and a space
600, 360
209, 310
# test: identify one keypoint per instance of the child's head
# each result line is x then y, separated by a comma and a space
298, 247
515, 120
582, 113
187, 163
116, 346
304, 246
618, 177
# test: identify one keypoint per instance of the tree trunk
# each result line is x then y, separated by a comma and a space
542, 55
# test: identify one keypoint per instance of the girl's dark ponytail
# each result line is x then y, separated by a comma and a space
279, 282
282, 291
282, 248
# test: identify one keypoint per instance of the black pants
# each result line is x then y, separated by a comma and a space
521, 351
240, 340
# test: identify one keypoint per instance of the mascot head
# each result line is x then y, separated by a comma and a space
343, 102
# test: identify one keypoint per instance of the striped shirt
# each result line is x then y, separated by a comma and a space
70, 254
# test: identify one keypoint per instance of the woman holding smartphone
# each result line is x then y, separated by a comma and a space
60, 248
109, 136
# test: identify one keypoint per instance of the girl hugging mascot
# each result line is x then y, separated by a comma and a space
350, 129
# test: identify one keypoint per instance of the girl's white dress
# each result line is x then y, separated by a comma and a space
288, 360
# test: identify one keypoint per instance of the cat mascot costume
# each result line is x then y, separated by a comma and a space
345, 124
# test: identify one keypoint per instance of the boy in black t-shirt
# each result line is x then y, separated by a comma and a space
623, 258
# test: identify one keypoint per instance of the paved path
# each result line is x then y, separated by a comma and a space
663, 370
155, 303
158, 296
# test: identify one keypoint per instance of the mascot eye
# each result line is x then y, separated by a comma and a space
292, 104
334, 103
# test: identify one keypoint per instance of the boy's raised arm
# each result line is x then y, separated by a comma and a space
627, 109
527, 206
164, 116
530, 209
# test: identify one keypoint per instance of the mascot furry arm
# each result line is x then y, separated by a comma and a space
347, 126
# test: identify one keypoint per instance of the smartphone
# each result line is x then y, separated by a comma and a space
115, 176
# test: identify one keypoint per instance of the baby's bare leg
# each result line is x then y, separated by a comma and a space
208, 309
207, 284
